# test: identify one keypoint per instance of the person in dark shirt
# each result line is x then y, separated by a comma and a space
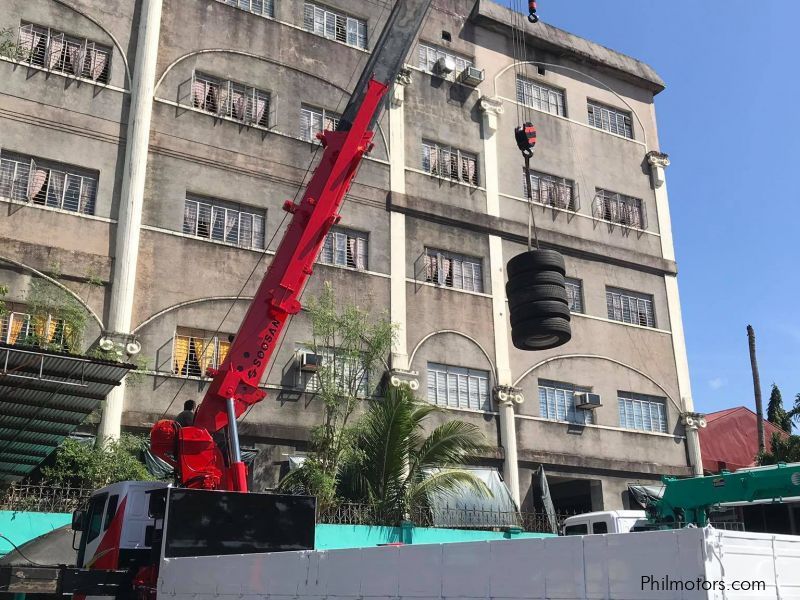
185, 418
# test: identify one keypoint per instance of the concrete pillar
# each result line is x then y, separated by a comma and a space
658, 163
129, 219
692, 423
491, 108
397, 225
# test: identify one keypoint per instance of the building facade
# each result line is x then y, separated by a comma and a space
148, 146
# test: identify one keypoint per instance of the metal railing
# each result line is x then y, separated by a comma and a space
43, 498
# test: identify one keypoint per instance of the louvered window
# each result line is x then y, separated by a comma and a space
210, 219
630, 307
552, 190
17, 327
458, 387
54, 50
232, 100
645, 413
335, 26
264, 8
345, 374
557, 402
314, 120
453, 270
30, 179
428, 56
574, 294
449, 163
610, 119
540, 96
619, 208
195, 350
345, 248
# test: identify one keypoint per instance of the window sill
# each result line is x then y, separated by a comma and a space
473, 411
446, 179
202, 239
446, 78
444, 287
57, 210
223, 118
607, 427
334, 40
352, 270
64, 75
606, 320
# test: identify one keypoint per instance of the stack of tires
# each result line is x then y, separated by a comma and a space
537, 297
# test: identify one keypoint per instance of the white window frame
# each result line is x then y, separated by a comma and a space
642, 413
262, 8
540, 96
621, 209
557, 403
335, 25
629, 307
207, 337
551, 190
458, 387
214, 213
232, 100
308, 381
86, 58
575, 294
428, 55
438, 160
314, 120
608, 118
62, 188
465, 272
28, 328
345, 248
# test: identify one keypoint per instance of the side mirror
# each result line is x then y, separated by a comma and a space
78, 520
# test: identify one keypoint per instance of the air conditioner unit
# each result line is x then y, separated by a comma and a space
471, 76
445, 65
310, 361
587, 400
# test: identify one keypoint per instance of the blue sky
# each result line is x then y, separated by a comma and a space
729, 121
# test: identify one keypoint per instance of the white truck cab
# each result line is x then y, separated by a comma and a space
607, 521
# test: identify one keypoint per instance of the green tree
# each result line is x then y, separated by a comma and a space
396, 467
784, 449
776, 414
354, 346
47, 300
86, 465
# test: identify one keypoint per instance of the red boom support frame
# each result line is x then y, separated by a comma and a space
192, 450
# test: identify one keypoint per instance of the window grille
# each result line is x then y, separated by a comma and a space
195, 350
53, 50
630, 307
574, 294
314, 120
645, 413
29, 179
345, 248
458, 387
449, 163
345, 374
619, 208
453, 270
215, 221
17, 327
427, 57
232, 100
557, 402
335, 26
551, 190
610, 119
540, 96
264, 8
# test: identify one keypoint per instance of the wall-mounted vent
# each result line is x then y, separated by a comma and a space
471, 76
587, 400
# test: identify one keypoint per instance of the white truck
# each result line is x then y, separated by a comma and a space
607, 521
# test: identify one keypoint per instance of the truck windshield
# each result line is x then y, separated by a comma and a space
579, 529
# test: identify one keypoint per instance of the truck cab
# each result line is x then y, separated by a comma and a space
608, 521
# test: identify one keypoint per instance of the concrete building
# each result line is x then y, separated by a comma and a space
151, 145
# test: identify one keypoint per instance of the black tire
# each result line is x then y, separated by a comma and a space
530, 280
536, 260
541, 334
542, 309
539, 292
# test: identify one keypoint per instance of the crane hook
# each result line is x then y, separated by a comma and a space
532, 16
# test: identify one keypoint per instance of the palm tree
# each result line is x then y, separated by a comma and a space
397, 468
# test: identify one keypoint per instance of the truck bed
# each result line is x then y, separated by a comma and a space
614, 566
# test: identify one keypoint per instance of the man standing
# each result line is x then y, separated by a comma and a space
185, 418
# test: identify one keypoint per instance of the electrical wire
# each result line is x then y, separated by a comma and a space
33, 562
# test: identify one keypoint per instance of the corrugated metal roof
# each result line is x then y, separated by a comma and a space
44, 396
